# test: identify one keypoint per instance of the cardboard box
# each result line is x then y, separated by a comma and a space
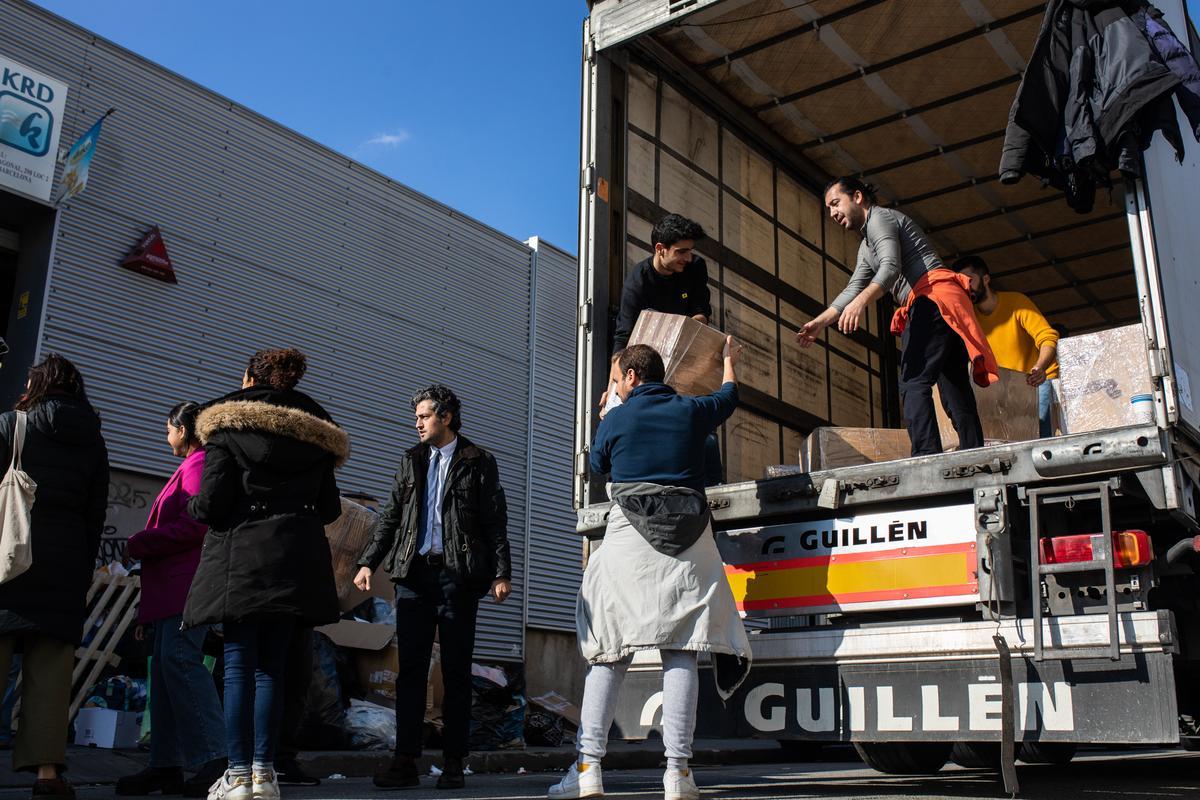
376, 660
555, 703
1099, 373
348, 535
1008, 411
103, 727
692, 352
829, 448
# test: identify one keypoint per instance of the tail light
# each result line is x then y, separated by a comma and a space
1130, 549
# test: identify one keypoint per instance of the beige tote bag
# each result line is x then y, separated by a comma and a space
16, 502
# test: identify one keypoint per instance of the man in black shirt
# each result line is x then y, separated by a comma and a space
674, 280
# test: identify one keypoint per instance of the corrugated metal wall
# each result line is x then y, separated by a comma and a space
555, 549
277, 241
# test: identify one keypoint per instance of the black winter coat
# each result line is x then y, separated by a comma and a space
474, 519
1093, 94
267, 493
65, 455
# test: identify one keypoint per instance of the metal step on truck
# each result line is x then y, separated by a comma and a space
1024, 598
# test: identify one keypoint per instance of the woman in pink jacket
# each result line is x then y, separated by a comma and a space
186, 724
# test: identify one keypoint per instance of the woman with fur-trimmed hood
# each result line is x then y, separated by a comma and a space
267, 493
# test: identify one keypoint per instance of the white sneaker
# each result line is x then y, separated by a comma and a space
228, 787
581, 780
680, 784
266, 785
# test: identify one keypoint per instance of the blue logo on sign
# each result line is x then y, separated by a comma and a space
24, 124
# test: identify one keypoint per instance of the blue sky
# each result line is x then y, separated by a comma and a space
477, 109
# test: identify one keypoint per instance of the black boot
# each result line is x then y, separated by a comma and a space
168, 780
53, 789
290, 773
452, 776
199, 784
402, 774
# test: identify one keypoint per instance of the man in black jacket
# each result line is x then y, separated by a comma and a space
674, 280
443, 539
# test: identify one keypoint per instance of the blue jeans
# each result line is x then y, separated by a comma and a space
186, 728
1045, 403
9, 694
255, 658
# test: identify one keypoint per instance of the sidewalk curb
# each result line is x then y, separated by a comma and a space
89, 766
360, 764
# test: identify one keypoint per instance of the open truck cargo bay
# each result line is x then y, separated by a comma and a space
736, 113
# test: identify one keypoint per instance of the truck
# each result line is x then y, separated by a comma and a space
1022, 599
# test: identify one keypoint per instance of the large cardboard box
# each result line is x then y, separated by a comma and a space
104, 727
829, 448
692, 352
1008, 411
1100, 372
348, 535
376, 660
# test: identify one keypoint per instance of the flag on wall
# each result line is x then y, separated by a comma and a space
78, 159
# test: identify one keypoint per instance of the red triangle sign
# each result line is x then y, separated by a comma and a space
150, 257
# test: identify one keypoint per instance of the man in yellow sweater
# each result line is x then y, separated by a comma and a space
1018, 333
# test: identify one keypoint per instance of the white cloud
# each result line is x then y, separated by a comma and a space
394, 139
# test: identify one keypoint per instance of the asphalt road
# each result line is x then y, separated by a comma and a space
1141, 775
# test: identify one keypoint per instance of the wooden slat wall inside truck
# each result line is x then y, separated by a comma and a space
914, 96
773, 264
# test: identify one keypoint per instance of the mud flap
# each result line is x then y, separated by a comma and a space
1008, 747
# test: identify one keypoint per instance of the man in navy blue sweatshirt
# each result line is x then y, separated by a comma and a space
656, 435
657, 582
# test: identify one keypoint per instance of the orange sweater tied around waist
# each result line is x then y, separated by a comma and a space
952, 293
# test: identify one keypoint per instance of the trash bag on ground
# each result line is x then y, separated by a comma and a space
370, 727
543, 729
498, 712
119, 693
325, 721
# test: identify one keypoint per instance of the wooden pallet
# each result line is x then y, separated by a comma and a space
112, 601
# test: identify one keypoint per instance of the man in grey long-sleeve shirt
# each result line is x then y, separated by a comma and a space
894, 256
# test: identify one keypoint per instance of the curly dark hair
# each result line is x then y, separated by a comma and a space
183, 415
850, 185
280, 369
54, 376
674, 228
973, 263
645, 362
444, 402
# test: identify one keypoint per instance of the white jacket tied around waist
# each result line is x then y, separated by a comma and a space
635, 598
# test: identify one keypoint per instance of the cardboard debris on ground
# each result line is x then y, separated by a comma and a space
376, 660
555, 703
348, 535
1100, 372
830, 448
692, 352
1008, 411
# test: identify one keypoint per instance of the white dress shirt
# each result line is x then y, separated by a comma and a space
435, 490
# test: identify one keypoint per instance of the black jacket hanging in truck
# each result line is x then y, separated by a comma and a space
1097, 87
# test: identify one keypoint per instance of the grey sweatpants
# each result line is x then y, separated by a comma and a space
681, 688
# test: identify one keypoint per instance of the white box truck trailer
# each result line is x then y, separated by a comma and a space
1034, 595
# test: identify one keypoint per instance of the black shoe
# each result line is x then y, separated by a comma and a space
402, 774
290, 773
56, 788
199, 784
168, 780
452, 776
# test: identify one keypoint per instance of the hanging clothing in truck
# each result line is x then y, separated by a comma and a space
1098, 85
